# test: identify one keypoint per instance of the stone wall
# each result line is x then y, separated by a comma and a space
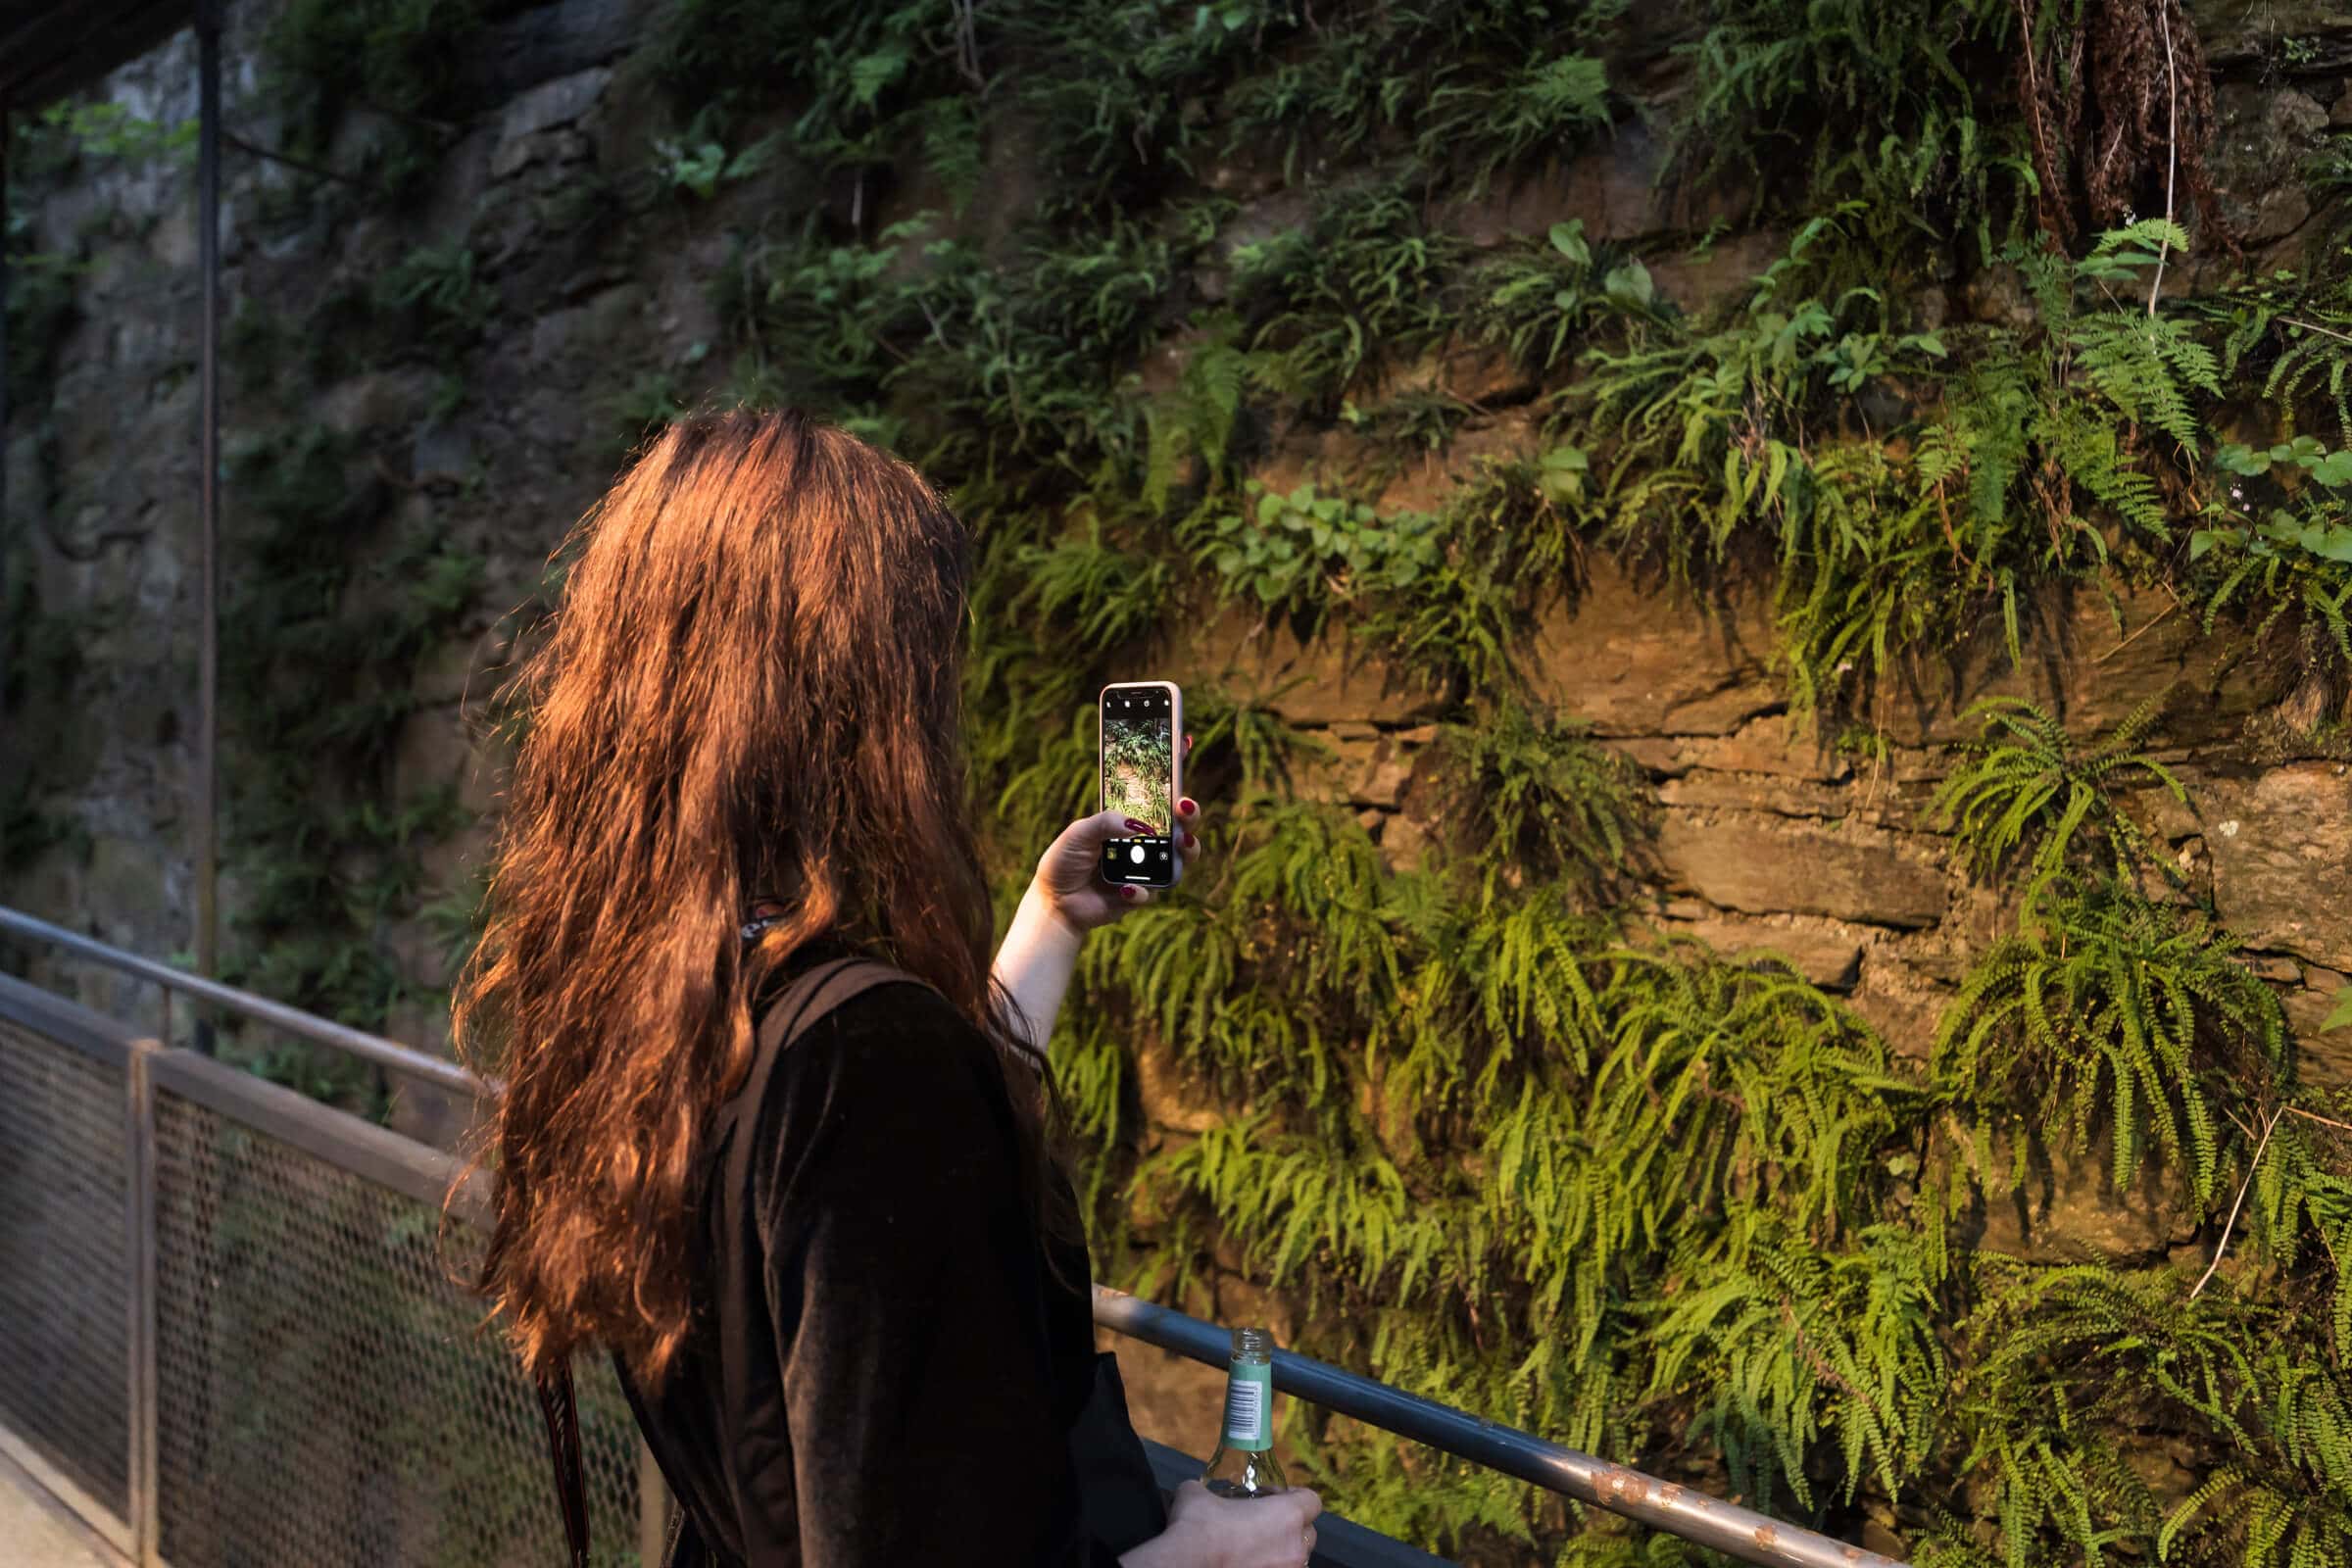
1768, 837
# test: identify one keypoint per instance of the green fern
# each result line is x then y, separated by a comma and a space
1890, 108
1197, 417
2112, 1017
2027, 793
1358, 286
2070, 1362
1541, 801
2302, 1192
1792, 1346
1462, 90
2293, 567
2287, 1502
1537, 296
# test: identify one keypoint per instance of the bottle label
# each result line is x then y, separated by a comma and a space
1250, 1407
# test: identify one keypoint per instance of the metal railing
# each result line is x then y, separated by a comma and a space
232, 1327
233, 1324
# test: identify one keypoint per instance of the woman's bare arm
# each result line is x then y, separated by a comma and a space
1034, 965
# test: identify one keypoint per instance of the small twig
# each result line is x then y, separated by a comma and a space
2314, 326
1820, 1364
231, 139
939, 333
2324, 1121
2041, 142
2172, 144
2222, 1246
2153, 621
967, 43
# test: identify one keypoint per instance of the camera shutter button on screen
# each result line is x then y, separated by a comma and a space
1135, 855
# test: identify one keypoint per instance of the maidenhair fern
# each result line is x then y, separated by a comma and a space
2069, 1364
1544, 802
1463, 89
1741, 1083
1883, 104
2284, 1499
2026, 793
1493, 989
1195, 419
1793, 1345
1358, 286
2111, 1017
2057, 1371
2300, 1209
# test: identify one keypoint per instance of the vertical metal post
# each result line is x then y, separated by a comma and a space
206, 815
139, 1187
653, 1510
7, 628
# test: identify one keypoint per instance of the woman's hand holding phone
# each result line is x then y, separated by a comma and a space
1069, 875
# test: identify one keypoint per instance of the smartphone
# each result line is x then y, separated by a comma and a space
1136, 729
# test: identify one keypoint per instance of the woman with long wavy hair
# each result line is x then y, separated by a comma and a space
844, 1283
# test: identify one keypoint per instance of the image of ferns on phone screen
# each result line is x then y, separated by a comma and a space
1138, 765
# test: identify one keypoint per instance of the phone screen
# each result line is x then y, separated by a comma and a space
1139, 780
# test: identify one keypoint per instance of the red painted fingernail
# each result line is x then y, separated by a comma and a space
1133, 826
1129, 893
1186, 805
1191, 843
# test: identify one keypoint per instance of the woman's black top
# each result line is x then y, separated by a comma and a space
882, 1366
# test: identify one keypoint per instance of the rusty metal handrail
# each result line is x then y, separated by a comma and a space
390, 1054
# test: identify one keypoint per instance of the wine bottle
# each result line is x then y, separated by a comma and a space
1243, 1465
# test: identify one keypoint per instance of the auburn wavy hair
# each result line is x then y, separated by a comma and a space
750, 688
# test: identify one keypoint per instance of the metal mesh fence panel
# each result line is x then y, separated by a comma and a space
323, 1397
65, 1316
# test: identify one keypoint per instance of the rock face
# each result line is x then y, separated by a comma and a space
2240, 32
1329, 683
1762, 864
2068, 1211
2093, 660
2264, 135
1828, 954
1631, 660
2326, 1054
2281, 848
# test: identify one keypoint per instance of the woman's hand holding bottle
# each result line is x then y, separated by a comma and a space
1206, 1531
1274, 1530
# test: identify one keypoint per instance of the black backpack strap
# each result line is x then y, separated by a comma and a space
562, 1415
808, 998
